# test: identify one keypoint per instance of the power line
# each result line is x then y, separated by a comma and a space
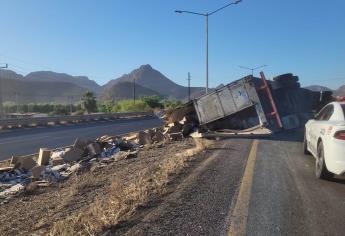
26, 62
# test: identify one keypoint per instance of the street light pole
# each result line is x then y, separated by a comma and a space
206, 15
207, 54
252, 69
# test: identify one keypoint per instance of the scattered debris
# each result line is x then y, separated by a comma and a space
110, 152
26, 163
158, 137
72, 154
57, 161
75, 168
37, 171
80, 143
94, 149
131, 155
6, 169
57, 154
176, 136
24, 174
174, 127
60, 168
13, 190
144, 138
120, 156
43, 157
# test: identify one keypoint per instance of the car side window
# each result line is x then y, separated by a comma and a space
329, 112
326, 113
321, 114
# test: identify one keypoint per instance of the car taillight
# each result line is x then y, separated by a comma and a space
340, 135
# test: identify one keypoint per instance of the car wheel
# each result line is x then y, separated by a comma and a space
305, 147
320, 165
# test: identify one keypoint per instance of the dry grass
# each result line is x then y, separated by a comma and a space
124, 198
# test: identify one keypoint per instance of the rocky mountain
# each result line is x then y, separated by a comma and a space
124, 90
340, 91
154, 80
49, 76
31, 91
9, 74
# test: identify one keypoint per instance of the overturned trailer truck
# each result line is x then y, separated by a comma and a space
252, 106
235, 106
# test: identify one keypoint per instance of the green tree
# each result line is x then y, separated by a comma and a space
153, 101
89, 102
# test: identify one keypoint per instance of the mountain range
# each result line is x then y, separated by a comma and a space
48, 86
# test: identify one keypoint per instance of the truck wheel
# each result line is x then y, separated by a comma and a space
321, 171
283, 77
305, 147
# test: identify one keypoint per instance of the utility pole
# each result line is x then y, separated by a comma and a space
1, 92
70, 104
189, 77
134, 90
17, 104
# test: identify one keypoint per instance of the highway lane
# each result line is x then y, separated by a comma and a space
29, 140
247, 189
286, 197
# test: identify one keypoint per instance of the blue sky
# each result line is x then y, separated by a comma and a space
107, 38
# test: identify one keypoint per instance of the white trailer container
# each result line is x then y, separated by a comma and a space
228, 100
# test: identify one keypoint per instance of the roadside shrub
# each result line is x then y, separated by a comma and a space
153, 101
130, 106
172, 104
147, 103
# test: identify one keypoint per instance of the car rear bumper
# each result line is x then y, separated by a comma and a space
335, 156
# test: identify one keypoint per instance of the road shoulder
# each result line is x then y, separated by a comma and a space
201, 203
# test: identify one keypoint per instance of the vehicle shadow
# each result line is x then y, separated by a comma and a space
295, 135
338, 179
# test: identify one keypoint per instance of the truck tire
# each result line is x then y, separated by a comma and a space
321, 170
286, 77
283, 77
285, 84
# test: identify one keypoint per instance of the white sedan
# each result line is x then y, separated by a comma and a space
324, 138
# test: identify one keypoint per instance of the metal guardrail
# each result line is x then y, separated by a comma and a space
78, 118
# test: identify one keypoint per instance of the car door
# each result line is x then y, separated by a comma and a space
317, 127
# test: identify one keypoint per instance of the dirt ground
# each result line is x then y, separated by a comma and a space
93, 202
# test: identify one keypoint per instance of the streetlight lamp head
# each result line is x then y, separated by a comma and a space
238, 1
178, 11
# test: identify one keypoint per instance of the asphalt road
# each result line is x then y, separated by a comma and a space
286, 197
28, 140
246, 187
